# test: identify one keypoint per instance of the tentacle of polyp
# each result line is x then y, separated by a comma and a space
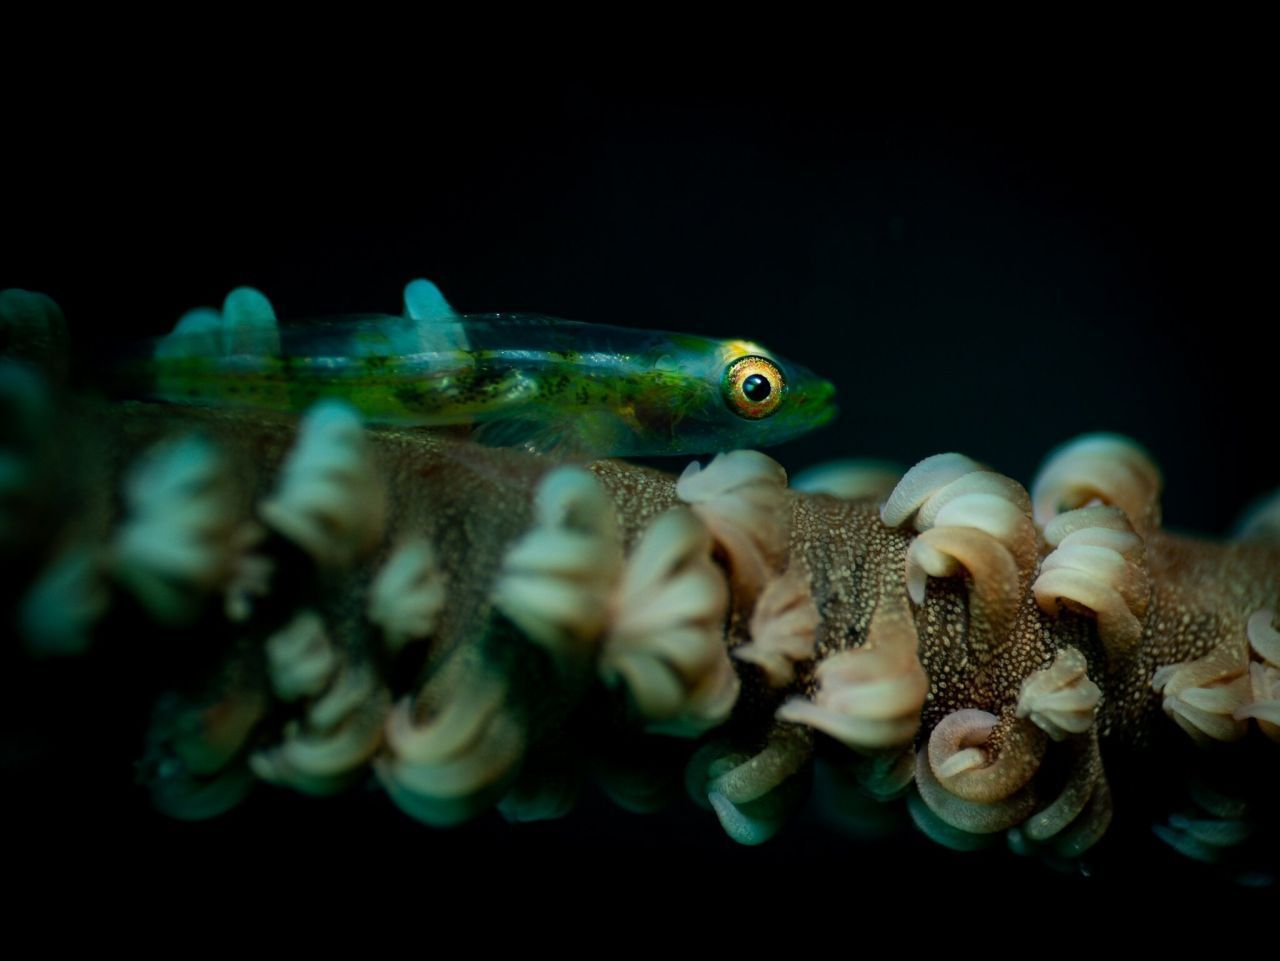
1104, 468
557, 580
974, 817
970, 519
869, 697
665, 644
850, 479
783, 627
1099, 568
740, 496
1263, 704
448, 766
753, 794
961, 764
1261, 523
1061, 699
327, 750
1203, 695
1080, 813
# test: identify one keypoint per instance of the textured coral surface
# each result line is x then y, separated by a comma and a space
325, 607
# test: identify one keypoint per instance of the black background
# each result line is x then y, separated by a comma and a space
991, 273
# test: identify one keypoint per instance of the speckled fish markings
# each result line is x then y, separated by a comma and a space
520, 380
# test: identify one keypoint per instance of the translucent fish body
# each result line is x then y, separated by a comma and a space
518, 379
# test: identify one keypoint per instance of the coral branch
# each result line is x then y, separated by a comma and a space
453, 622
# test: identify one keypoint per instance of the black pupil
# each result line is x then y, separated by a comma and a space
757, 388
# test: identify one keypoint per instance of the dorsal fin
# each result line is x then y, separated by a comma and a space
423, 301
249, 324
246, 325
438, 325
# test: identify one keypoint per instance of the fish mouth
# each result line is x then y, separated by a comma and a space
820, 403
826, 414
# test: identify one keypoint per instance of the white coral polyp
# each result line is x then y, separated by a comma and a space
981, 498
329, 755
1209, 712
1099, 467
1098, 566
849, 479
300, 659
61, 608
969, 518
866, 699
439, 765
407, 596
355, 686
945, 551
921, 483
1264, 678
183, 536
1204, 696
557, 580
783, 627
665, 644
1261, 522
330, 501
1060, 699
741, 497
1264, 639
341, 731
1264, 700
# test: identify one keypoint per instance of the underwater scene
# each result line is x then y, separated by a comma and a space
764, 488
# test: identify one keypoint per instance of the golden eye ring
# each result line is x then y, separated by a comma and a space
753, 387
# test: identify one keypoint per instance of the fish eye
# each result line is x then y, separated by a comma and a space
753, 387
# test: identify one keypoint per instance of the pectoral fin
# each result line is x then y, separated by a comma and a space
573, 439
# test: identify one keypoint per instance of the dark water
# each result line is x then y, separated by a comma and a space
988, 279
